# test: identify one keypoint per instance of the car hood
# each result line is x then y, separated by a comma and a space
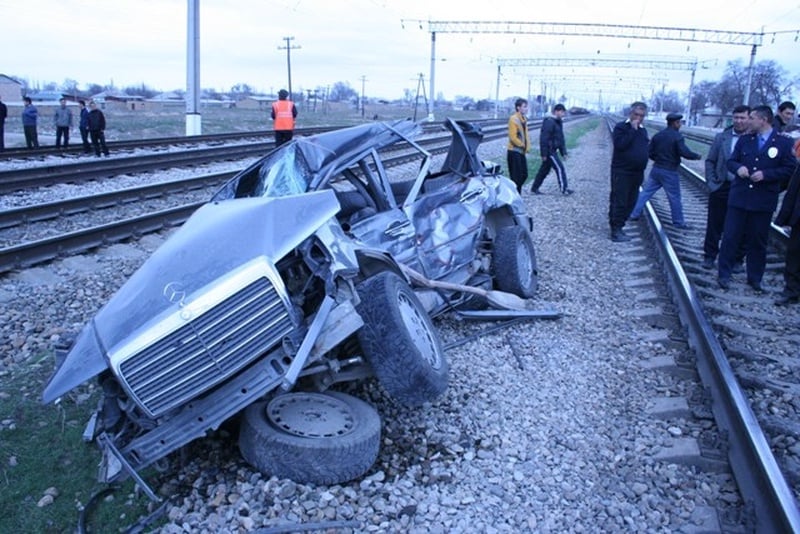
218, 238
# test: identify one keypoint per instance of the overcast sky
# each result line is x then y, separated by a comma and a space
144, 41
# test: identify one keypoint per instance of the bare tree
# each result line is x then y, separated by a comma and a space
769, 84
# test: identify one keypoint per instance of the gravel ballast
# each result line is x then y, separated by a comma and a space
544, 427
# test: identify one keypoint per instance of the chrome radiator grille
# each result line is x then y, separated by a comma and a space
207, 349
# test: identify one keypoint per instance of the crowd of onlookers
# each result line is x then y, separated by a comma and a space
91, 125
748, 166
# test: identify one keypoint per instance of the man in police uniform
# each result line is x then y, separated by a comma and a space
283, 114
761, 161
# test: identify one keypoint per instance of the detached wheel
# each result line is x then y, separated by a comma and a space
400, 341
319, 438
514, 262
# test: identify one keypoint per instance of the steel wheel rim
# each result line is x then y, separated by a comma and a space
420, 333
310, 415
524, 260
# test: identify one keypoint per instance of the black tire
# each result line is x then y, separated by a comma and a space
514, 262
400, 341
320, 438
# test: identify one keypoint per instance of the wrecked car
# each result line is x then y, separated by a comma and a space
294, 278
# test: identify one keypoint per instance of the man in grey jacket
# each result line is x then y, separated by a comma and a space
718, 180
63, 122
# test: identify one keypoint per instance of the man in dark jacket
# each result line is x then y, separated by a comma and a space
628, 163
666, 150
3, 115
784, 118
789, 215
83, 126
30, 118
551, 142
97, 127
718, 180
762, 160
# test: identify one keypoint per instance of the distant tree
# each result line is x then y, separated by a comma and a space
729, 91
212, 94
769, 86
140, 90
241, 90
50, 86
670, 102
702, 96
484, 105
409, 95
341, 91
69, 86
93, 89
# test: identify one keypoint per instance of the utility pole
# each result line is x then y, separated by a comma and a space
193, 119
363, 79
289, 47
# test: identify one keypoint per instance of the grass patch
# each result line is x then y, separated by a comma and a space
41, 448
126, 125
571, 136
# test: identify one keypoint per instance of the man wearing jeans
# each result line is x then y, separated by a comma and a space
666, 150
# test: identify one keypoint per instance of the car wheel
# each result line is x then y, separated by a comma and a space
319, 438
514, 262
400, 342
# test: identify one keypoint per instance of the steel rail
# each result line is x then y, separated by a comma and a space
760, 480
72, 206
758, 476
40, 251
227, 137
43, 176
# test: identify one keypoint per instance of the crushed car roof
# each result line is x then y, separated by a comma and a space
326, 150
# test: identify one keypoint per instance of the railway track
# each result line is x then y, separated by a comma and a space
75, 150
102, 168
746, 354
37, 250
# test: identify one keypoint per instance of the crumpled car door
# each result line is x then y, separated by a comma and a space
391, 231
448, 223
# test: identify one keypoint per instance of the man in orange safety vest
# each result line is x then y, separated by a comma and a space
283, 114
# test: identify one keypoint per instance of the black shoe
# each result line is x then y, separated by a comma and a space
708, 263
535, 191
724, 283
567, 192
633, 219
682, 226
786, 300
756, 286
619, 237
